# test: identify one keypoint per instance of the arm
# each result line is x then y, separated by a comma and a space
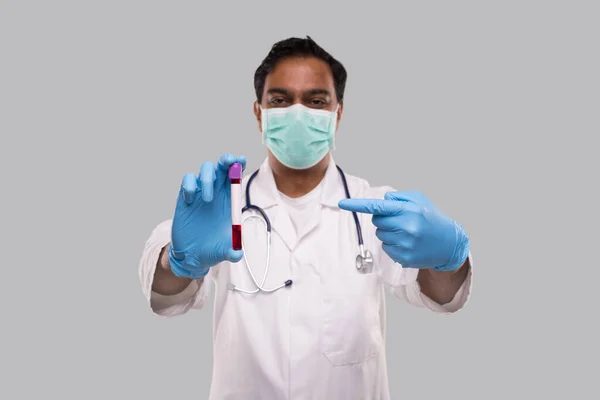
442, 286
166, 294
441, 292
406, 244
165, 282
197, 242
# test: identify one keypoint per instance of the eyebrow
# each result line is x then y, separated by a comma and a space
310, 92
318, 91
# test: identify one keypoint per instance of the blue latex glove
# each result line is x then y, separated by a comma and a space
413, 231
201, 230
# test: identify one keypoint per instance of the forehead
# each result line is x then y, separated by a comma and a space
300, 73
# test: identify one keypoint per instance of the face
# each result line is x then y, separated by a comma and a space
299, 80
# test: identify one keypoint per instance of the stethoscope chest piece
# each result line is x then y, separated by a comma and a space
364, 262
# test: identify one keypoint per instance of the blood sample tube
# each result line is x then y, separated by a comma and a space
235, 178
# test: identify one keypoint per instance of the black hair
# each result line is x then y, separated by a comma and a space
295, 47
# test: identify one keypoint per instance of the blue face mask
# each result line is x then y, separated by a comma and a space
298, 136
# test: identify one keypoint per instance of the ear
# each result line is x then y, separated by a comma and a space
339, 115
258, 115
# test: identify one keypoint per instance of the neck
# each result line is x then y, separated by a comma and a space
296, 183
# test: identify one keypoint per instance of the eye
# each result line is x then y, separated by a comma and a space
318, 102
277, 101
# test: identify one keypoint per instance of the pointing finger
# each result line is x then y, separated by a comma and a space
207, 179
372, 206
188, 188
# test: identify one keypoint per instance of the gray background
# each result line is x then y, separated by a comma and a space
489, 108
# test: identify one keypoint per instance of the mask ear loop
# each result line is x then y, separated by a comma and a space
334, 122
263, 124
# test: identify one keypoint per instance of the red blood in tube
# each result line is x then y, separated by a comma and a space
236, 235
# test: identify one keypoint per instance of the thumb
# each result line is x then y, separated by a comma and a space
234, 255
411, 196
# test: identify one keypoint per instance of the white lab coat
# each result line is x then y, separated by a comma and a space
323, 338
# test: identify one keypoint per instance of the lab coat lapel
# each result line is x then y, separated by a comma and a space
266, 196
331, 193
282, 225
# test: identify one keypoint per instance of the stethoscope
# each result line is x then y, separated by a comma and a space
364, 260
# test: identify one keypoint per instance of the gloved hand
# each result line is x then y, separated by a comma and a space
413, 231
201, 230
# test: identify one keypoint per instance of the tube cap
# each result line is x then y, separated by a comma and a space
235, 171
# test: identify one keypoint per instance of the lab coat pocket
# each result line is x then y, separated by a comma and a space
351, 322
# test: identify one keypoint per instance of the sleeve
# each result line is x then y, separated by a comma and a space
193, 297
402, 282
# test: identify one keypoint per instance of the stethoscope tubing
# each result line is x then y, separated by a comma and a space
265, 219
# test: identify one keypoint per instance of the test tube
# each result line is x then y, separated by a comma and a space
235, 178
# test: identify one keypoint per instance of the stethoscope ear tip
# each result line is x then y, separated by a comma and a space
288, 283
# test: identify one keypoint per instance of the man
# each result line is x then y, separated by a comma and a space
320, 336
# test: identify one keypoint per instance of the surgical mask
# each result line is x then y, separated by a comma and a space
298, 136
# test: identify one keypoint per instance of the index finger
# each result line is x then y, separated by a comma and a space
372, 206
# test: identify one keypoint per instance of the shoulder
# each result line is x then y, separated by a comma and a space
360, 188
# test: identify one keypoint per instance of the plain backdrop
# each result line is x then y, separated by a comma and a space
489, 108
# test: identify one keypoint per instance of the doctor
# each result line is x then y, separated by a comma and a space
323, 336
